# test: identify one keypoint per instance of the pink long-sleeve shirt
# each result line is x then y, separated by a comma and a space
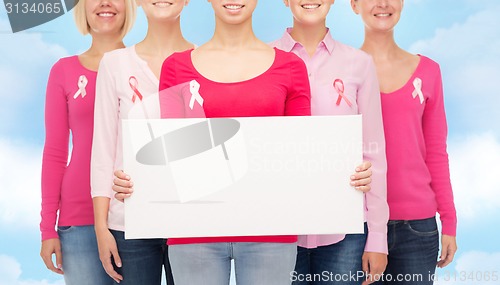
123, 75
418, 176
337, 68
69, 108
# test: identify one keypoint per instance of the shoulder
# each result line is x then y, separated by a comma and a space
118, 56
351, 51
428, 64
66, 63
290, 58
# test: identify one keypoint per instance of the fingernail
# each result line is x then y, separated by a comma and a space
127, 177
353, 183
131, 184
353, 177
358, 169
59, 266
119, 264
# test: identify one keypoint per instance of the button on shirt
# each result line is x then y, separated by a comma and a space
336, 69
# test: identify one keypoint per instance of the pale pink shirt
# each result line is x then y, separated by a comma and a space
121, 76
355, 70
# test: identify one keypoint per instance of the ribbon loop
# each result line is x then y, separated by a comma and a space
417, 83
132, 81
338, 84
194, 88
82, 83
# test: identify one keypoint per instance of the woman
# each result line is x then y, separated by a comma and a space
128, 78
229, 69
70, 108
419, 185
348, 74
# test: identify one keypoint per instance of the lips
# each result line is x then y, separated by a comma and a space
382, 14
233, 6
310, 6
106, 14
162, 4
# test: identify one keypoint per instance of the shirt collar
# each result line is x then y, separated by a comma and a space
288, 43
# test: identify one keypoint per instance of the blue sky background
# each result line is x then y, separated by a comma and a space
462, 35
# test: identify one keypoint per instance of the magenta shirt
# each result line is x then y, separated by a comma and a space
418, 176
352, 69
69, 108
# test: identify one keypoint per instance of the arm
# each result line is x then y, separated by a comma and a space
298, 99
104, 147
375, 256
435, 132
54, 161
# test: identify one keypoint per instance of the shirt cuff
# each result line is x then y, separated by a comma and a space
376, 242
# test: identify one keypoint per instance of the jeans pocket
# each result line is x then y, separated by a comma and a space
426, 227
64, 228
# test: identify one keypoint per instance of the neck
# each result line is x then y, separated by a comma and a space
309, 36
232, 37
104, 43
162, 38
381, 46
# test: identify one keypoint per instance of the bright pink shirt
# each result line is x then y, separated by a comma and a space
418, 176
335, 62
282, 90
69, 108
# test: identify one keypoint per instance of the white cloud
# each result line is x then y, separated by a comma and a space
473, 267
10, 274
469, 55
473, 166
20, 192
24, 67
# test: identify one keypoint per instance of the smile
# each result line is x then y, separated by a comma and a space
162, 4
311, 6
233, 6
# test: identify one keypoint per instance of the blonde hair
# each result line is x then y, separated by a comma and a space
83, 25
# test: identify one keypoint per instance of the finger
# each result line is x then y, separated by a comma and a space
122, 175
122, 189
361, 182
361, 175
363, 189
446, 259
59, 260
122, 183
47, 259
364, 166
121, 197
110, 270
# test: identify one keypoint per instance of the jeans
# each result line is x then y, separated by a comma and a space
81, 263
338, 263
413, 252
142, 260
254, 263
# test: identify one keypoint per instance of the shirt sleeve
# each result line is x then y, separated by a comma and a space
369, 103
172, 103
55, 151
104, 143
298, 100
435, 131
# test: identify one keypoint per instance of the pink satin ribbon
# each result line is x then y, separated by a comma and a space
82, 83
132, 81
338, 84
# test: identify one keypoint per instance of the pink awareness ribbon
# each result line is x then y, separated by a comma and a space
132, 81
417, 83
82, 83
338, 84
194, 88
